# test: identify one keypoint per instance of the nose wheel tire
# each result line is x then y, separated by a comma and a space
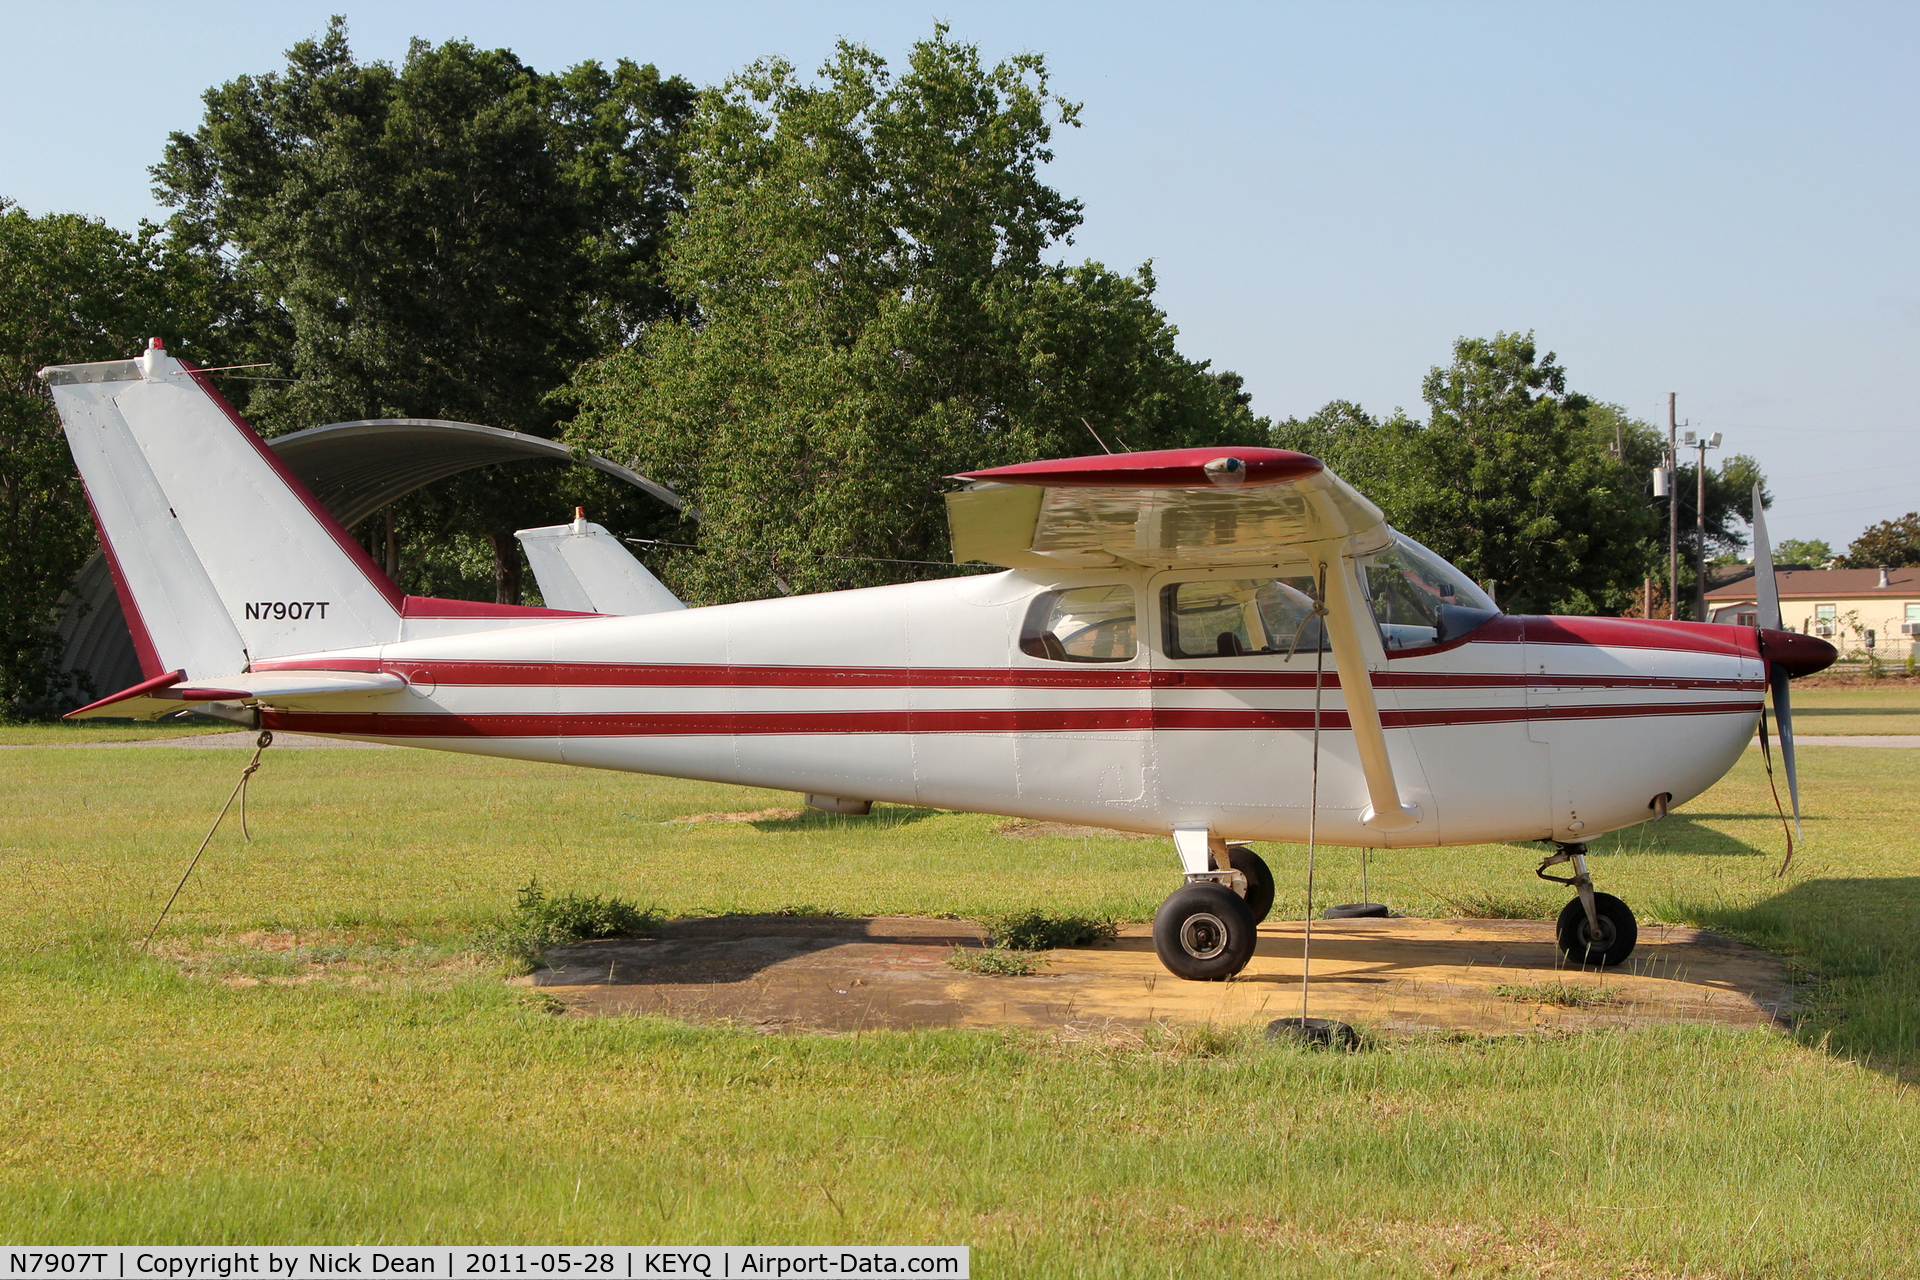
1204, 933
1259, 897
1611, 946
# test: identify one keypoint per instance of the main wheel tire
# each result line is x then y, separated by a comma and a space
1259, 897
1618, 932
1204, 933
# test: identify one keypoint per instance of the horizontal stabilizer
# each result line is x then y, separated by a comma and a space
151, 699
583, 568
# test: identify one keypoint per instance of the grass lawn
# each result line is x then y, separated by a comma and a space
1889, 707
380, 1083
40, 733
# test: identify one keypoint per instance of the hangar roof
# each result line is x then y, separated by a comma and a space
356, 468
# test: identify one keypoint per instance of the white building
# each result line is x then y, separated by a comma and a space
1877, 609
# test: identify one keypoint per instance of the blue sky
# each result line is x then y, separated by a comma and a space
1714, 200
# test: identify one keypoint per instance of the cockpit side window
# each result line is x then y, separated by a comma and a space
1240, 617
1419, 599
1082, 624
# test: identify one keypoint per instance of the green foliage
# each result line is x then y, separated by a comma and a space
1038, 931
1812, 552
72, 289
444, 239
540, 922
1892, 543
870, 308
1536, 491
996, 962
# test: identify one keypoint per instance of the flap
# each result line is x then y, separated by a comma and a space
1169, 508
151, 699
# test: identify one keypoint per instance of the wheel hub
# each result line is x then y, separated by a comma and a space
1203, 936
1602, 940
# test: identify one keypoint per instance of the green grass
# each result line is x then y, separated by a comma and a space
1566, 995
53, 733
315, 1054
1886, 707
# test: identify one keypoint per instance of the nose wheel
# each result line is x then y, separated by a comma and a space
1595, 929
1600, 943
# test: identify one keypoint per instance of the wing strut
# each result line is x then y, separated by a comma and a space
1347, 612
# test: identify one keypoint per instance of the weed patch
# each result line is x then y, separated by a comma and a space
1566, 995
998, 962
1493, 905
540, 922
1037, 931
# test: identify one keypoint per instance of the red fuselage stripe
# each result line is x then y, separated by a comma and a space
1001, 720
704, 676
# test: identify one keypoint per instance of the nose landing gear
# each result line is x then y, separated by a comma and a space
1595, 929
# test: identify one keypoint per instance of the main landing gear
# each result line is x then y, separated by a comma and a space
1595, 929
1206, 930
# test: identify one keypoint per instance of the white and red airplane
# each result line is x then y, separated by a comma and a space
1149, 660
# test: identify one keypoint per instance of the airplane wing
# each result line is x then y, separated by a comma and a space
1198, 508
1168, 508
151, 699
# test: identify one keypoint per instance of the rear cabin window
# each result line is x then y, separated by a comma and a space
1240, 617
1084, 624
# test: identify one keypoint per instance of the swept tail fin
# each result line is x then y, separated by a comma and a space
580, 566
220, 556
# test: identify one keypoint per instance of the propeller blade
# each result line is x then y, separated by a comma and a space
1783, 712
1768, 598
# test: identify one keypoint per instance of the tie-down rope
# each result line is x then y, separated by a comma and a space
260, 744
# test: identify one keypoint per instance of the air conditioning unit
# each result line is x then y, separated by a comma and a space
1910, 628
1823, 628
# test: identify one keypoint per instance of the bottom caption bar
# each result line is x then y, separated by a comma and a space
459, 1262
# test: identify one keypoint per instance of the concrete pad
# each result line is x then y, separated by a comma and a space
1396, 976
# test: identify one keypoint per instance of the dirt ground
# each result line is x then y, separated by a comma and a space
780, 973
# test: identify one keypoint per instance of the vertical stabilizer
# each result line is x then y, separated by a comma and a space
580, 566
220, 555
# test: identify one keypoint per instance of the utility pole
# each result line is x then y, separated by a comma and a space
1673, 514
1705, 443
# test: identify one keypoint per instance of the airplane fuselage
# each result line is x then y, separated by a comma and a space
1526, 728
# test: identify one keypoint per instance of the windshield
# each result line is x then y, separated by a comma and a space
1419, 599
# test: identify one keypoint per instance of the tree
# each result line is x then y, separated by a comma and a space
1538, 491
1814, 552
445, 239
72, 289
1512, 478
869, 307
1894, 544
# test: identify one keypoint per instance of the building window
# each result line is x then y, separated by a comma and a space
1823, 619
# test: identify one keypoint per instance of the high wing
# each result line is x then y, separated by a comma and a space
151, 699
1198, 508
1165, 509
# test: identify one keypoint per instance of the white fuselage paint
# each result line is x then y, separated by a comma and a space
1532, 728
